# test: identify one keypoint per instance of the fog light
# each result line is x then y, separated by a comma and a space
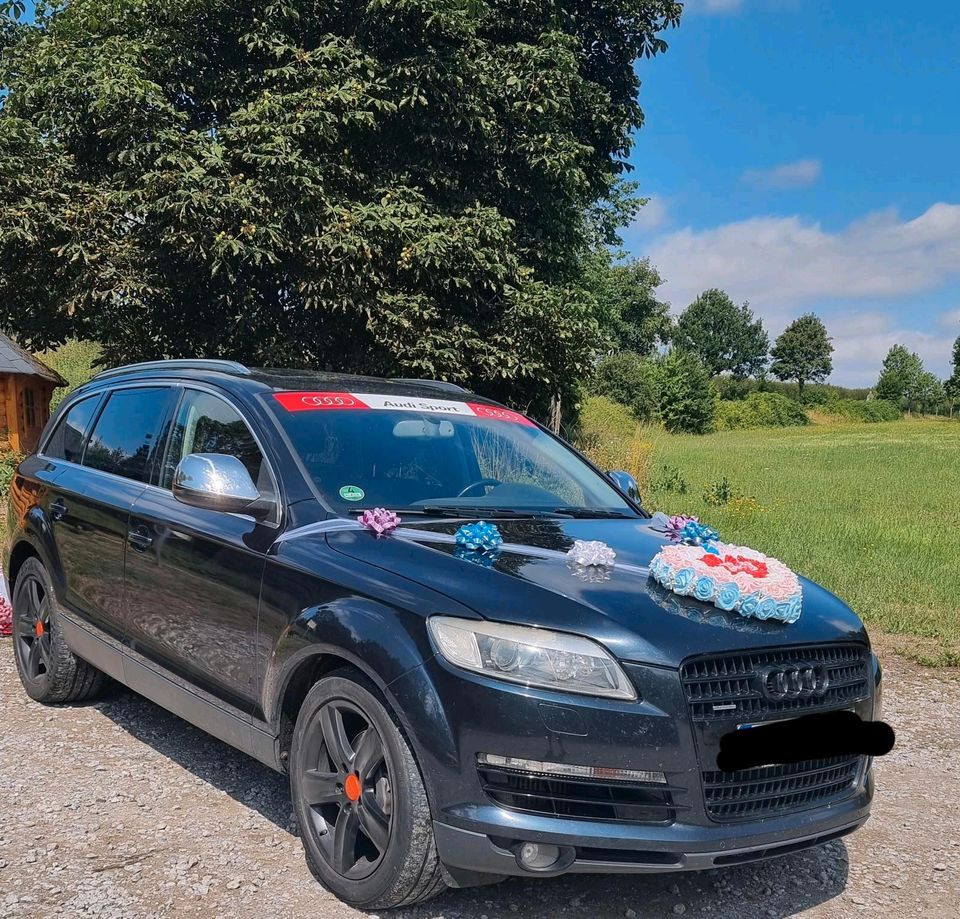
535, 856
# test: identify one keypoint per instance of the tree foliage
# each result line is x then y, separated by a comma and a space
628, 309
901, 379
630, 380
803, 352
952, 385
396, 187
726, 337
688, 402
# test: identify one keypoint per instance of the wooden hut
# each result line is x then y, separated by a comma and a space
26, 385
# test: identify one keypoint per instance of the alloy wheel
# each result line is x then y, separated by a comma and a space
32, 631
347, 787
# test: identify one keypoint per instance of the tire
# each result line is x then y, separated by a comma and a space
344, 780
49, 671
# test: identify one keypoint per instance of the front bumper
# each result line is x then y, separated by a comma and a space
477, 837
621, 849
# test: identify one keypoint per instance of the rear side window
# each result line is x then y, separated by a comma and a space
67, 440
125, 436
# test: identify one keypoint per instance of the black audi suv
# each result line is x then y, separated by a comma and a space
447, 716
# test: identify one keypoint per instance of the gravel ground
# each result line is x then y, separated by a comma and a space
117, 808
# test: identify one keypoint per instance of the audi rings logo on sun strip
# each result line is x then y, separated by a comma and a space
794, 681
331, 400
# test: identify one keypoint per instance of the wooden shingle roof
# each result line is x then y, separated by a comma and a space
13, 359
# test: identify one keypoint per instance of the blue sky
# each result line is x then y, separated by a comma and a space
805, 155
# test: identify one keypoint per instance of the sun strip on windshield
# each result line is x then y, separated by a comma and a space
349, 401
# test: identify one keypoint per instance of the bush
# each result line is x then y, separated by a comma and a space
759, 410
630, 380
813, 393
670, 479
612, 439
872, 410
75, 361
688, 403
9, 460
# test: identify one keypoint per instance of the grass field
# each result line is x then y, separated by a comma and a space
872, 511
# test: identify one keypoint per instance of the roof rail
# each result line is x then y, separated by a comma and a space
176, 364
440, 384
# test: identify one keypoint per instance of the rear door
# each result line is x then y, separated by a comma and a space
90, 500
193, 574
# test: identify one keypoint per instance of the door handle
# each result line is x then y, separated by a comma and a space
58, 510
140, 539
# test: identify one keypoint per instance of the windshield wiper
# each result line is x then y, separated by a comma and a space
461, 510
586, 513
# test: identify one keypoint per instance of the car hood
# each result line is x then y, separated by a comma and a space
628, 612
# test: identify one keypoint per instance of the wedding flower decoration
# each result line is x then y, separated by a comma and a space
733, 578
591, 553
379, 520
694, 533
6, 618
689, 530
479, 537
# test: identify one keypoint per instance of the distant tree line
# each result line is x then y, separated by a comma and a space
676, 370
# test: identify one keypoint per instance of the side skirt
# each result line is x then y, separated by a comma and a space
158, 685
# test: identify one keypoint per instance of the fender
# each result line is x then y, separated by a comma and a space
353, 629
307, 611
34, 529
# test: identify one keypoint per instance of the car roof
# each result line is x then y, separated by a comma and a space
236, 376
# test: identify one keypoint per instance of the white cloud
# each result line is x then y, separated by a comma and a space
780, 263
652, 216
861, 342
786, 265
951, 320
799, 174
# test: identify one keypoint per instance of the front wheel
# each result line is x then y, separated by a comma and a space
359, 798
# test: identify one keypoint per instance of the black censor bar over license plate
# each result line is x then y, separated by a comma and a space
798, 739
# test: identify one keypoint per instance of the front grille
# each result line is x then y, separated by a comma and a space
752, 793
729, 686
585, 798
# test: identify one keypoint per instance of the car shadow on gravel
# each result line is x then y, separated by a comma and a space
776, 888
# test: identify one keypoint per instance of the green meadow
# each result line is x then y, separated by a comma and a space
872, 511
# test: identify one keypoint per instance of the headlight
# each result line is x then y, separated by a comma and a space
533, 657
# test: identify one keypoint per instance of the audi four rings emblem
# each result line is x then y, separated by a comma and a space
794, 681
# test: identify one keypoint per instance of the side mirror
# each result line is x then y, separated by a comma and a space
626, 483
217, 482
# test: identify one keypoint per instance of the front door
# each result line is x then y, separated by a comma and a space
192, 574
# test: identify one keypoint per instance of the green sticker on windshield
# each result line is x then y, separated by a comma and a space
351, 493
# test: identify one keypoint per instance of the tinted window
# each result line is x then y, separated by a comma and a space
67, 440
126, 433
207, 424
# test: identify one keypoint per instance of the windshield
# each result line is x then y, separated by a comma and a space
437, 456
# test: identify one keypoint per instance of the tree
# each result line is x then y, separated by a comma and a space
803, 352
930, 393
630, 380
901, 379
628, 308
406, 187
687, 400
726, 337
952, 385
